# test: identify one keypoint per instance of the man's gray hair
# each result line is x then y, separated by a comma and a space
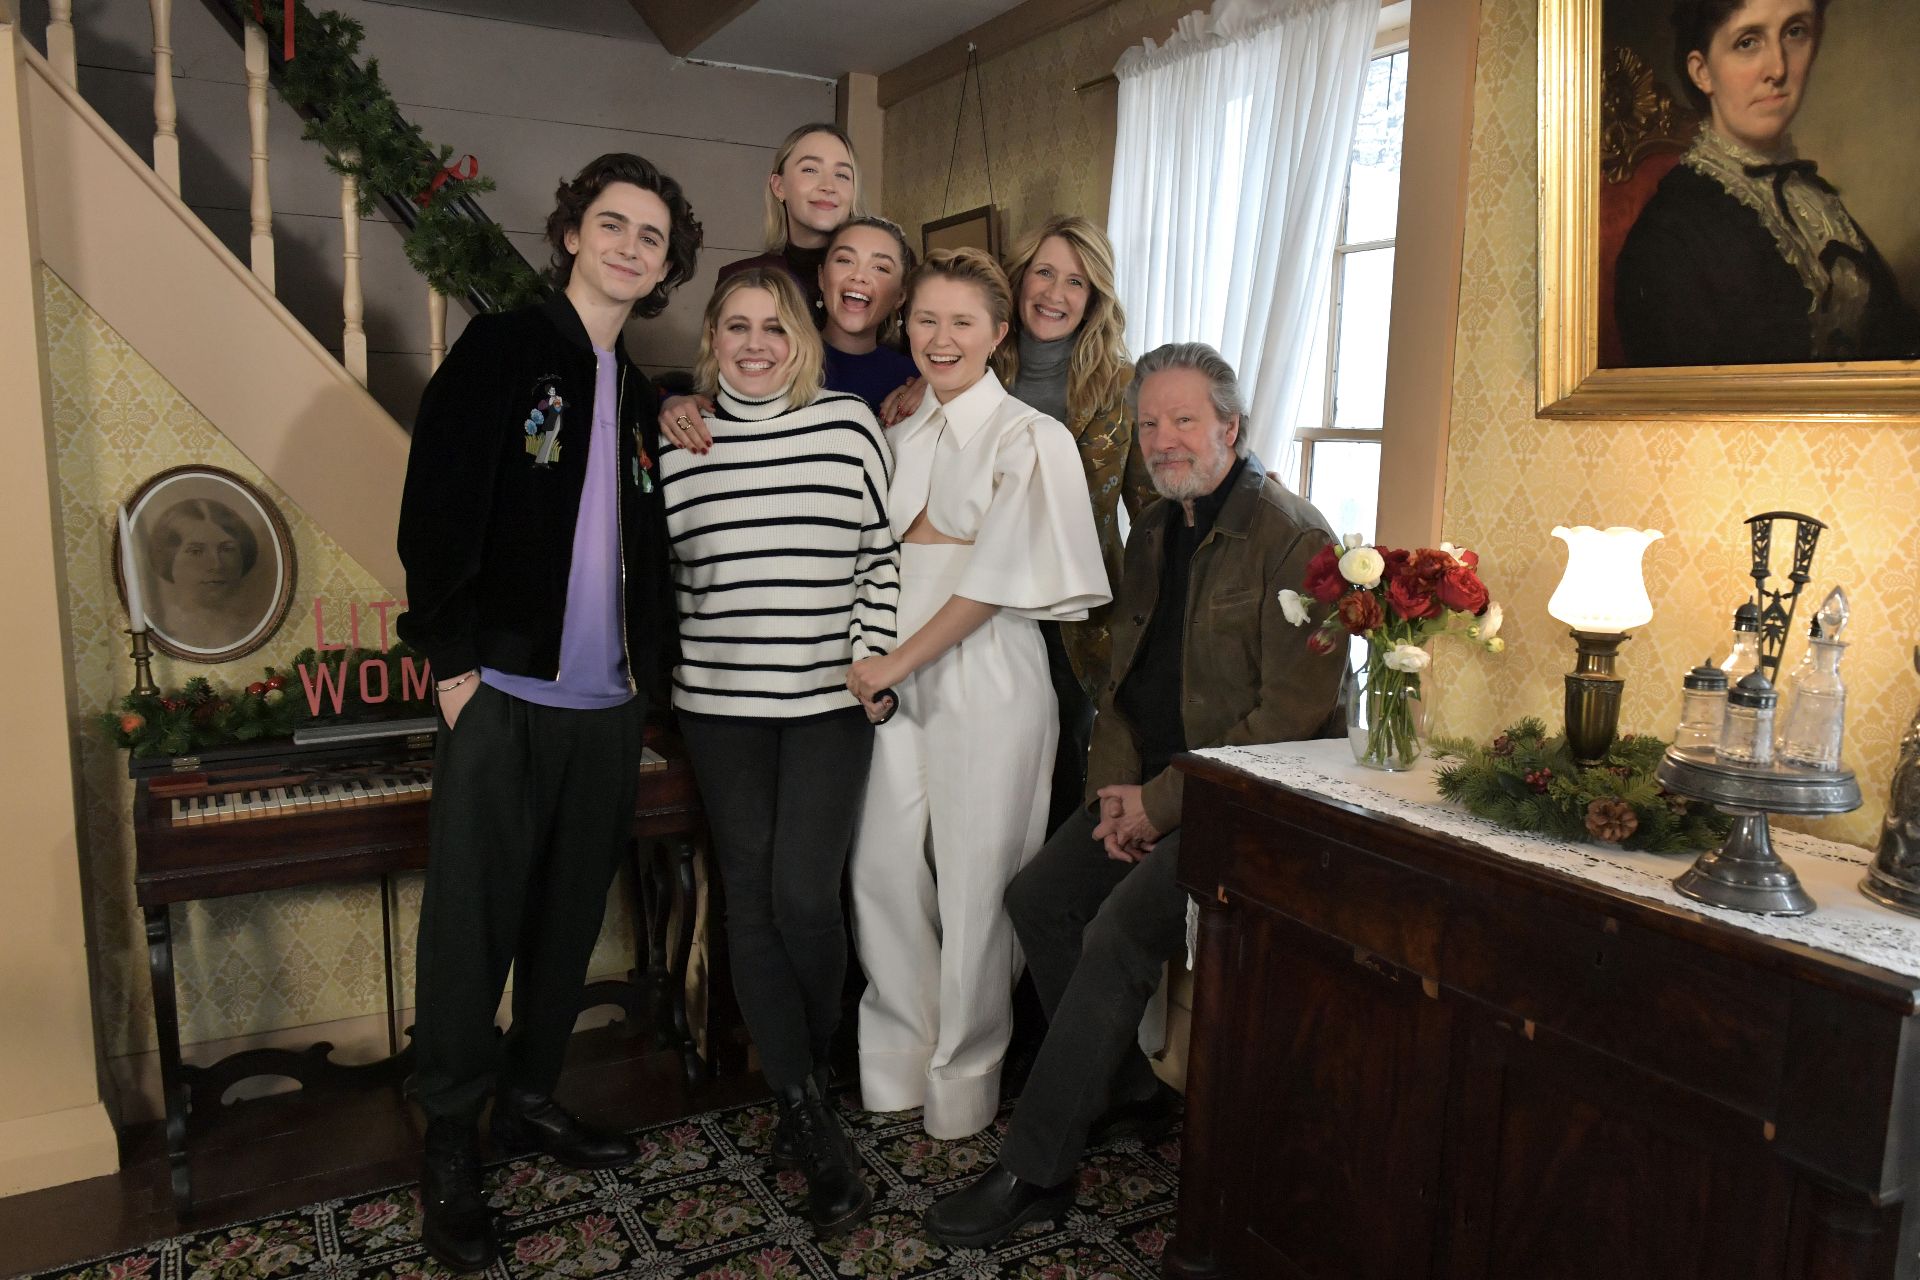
1223, 384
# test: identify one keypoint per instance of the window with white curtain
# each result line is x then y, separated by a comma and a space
1338, 425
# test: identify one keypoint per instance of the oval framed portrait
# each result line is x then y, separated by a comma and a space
215, 563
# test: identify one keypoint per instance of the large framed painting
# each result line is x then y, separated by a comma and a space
971, 229
1727, 220
215, 561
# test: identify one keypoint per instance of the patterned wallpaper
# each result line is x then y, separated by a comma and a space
1512, 477
1051, 148
243, 965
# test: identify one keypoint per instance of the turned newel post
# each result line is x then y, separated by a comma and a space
60, 55
259, 201
166, 138
353, 340
436, 328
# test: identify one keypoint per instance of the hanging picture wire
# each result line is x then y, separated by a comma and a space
977, 227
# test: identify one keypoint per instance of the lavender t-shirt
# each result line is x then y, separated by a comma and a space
592, 665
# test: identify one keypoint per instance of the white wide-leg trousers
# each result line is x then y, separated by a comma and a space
956, 804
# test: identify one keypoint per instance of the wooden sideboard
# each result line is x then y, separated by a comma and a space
1415, 1058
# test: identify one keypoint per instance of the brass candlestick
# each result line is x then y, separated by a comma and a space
142, 654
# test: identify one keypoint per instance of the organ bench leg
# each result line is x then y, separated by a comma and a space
166, 1025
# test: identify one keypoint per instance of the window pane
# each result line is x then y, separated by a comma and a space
1373, 175
1346, 485
1360, 374
1312, 412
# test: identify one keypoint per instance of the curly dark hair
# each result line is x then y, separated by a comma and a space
572, 199
1695, 21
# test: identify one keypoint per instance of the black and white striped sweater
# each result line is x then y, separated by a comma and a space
784, 565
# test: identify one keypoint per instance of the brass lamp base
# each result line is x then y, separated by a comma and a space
1593, 695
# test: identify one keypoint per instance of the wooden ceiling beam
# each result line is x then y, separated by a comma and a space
684, 25
995, 36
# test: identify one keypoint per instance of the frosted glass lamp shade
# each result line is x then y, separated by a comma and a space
1603, 590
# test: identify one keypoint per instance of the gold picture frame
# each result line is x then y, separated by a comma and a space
1571, 381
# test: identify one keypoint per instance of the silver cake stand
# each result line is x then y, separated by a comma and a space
1744, 873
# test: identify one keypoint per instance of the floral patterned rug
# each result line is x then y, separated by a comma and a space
701, 1203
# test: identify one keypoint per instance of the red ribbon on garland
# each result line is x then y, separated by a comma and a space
452, 173
286, 39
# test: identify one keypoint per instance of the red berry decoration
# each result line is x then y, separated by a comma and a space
257, 688
169, 704
132, 723
1539, 778
276, 682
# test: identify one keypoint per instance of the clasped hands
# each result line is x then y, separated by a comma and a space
1124, 827
872, 676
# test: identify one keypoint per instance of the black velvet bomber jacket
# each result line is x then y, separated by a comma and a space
494, 478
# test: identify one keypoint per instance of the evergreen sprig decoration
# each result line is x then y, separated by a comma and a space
1529, 781
198, 716
350, 112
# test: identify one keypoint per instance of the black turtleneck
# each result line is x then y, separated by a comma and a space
1150, 694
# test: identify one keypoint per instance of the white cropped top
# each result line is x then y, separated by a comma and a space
990, 470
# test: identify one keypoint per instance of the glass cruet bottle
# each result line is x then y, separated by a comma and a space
1814, 723
1745, 654
1703, 708
1747, 735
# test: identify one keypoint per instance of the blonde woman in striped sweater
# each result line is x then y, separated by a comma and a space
786, 571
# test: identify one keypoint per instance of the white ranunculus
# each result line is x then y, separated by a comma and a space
1490, 621
1362, 566
1353, 540
1407, 657
1294, 606
1459, 554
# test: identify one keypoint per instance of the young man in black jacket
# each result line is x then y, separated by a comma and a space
535, 549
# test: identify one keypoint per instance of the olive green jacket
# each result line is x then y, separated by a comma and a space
1246, 672
1116, 474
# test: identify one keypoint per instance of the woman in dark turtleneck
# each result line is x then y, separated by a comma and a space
813, 188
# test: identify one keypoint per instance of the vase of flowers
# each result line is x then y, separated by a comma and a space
1396, 600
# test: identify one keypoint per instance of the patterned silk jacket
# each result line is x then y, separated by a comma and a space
1116, 473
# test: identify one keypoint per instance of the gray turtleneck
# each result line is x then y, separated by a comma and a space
1042, 380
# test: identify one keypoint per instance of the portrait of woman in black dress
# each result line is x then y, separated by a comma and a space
1745, 254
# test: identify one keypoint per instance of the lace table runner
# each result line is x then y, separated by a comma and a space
1846, 922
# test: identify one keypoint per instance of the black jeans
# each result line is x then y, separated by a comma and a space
1076, 732
532, 811
1096, 932
781, 802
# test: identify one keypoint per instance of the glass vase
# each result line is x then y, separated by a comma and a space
1385, 718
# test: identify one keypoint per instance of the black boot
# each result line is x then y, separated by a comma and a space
979, 1215
837, 1196
789, 1151
457, 1232
524, 1121
1145, 1121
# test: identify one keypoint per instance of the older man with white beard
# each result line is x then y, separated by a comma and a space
1202, 656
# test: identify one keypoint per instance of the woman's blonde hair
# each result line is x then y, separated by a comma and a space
775, 228
1099, 371
806, 361
969, 266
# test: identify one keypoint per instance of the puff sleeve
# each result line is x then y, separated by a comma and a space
876, 570
1037, 554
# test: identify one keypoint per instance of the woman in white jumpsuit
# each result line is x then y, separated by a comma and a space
990, 503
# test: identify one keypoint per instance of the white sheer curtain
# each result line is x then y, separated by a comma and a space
1227, 171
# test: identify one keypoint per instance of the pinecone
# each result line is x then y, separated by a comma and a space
1611, 820
1502, 746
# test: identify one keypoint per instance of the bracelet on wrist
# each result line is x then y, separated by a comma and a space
448, 686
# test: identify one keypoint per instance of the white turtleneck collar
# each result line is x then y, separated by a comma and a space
736, 404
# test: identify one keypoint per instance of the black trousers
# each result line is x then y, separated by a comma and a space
782, 801
1096, 932
532, 811
1076, 732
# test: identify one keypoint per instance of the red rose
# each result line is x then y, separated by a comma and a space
1360, 612
1471, 559
1319, 642
1430, 565
132, 722
1411, 599
1462, 589
1399, 562
1324, 582
257, 688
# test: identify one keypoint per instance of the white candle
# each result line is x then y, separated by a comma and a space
129, 570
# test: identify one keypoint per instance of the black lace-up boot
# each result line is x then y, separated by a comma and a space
837, 1196
457, 1232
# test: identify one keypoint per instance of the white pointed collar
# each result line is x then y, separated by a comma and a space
964, 415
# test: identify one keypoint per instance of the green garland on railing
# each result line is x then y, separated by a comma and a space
1529, 782
351, 113
197, 716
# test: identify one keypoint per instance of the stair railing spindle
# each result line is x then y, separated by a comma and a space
260, 199
166, 137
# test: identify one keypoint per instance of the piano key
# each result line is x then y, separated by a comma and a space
179, 812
